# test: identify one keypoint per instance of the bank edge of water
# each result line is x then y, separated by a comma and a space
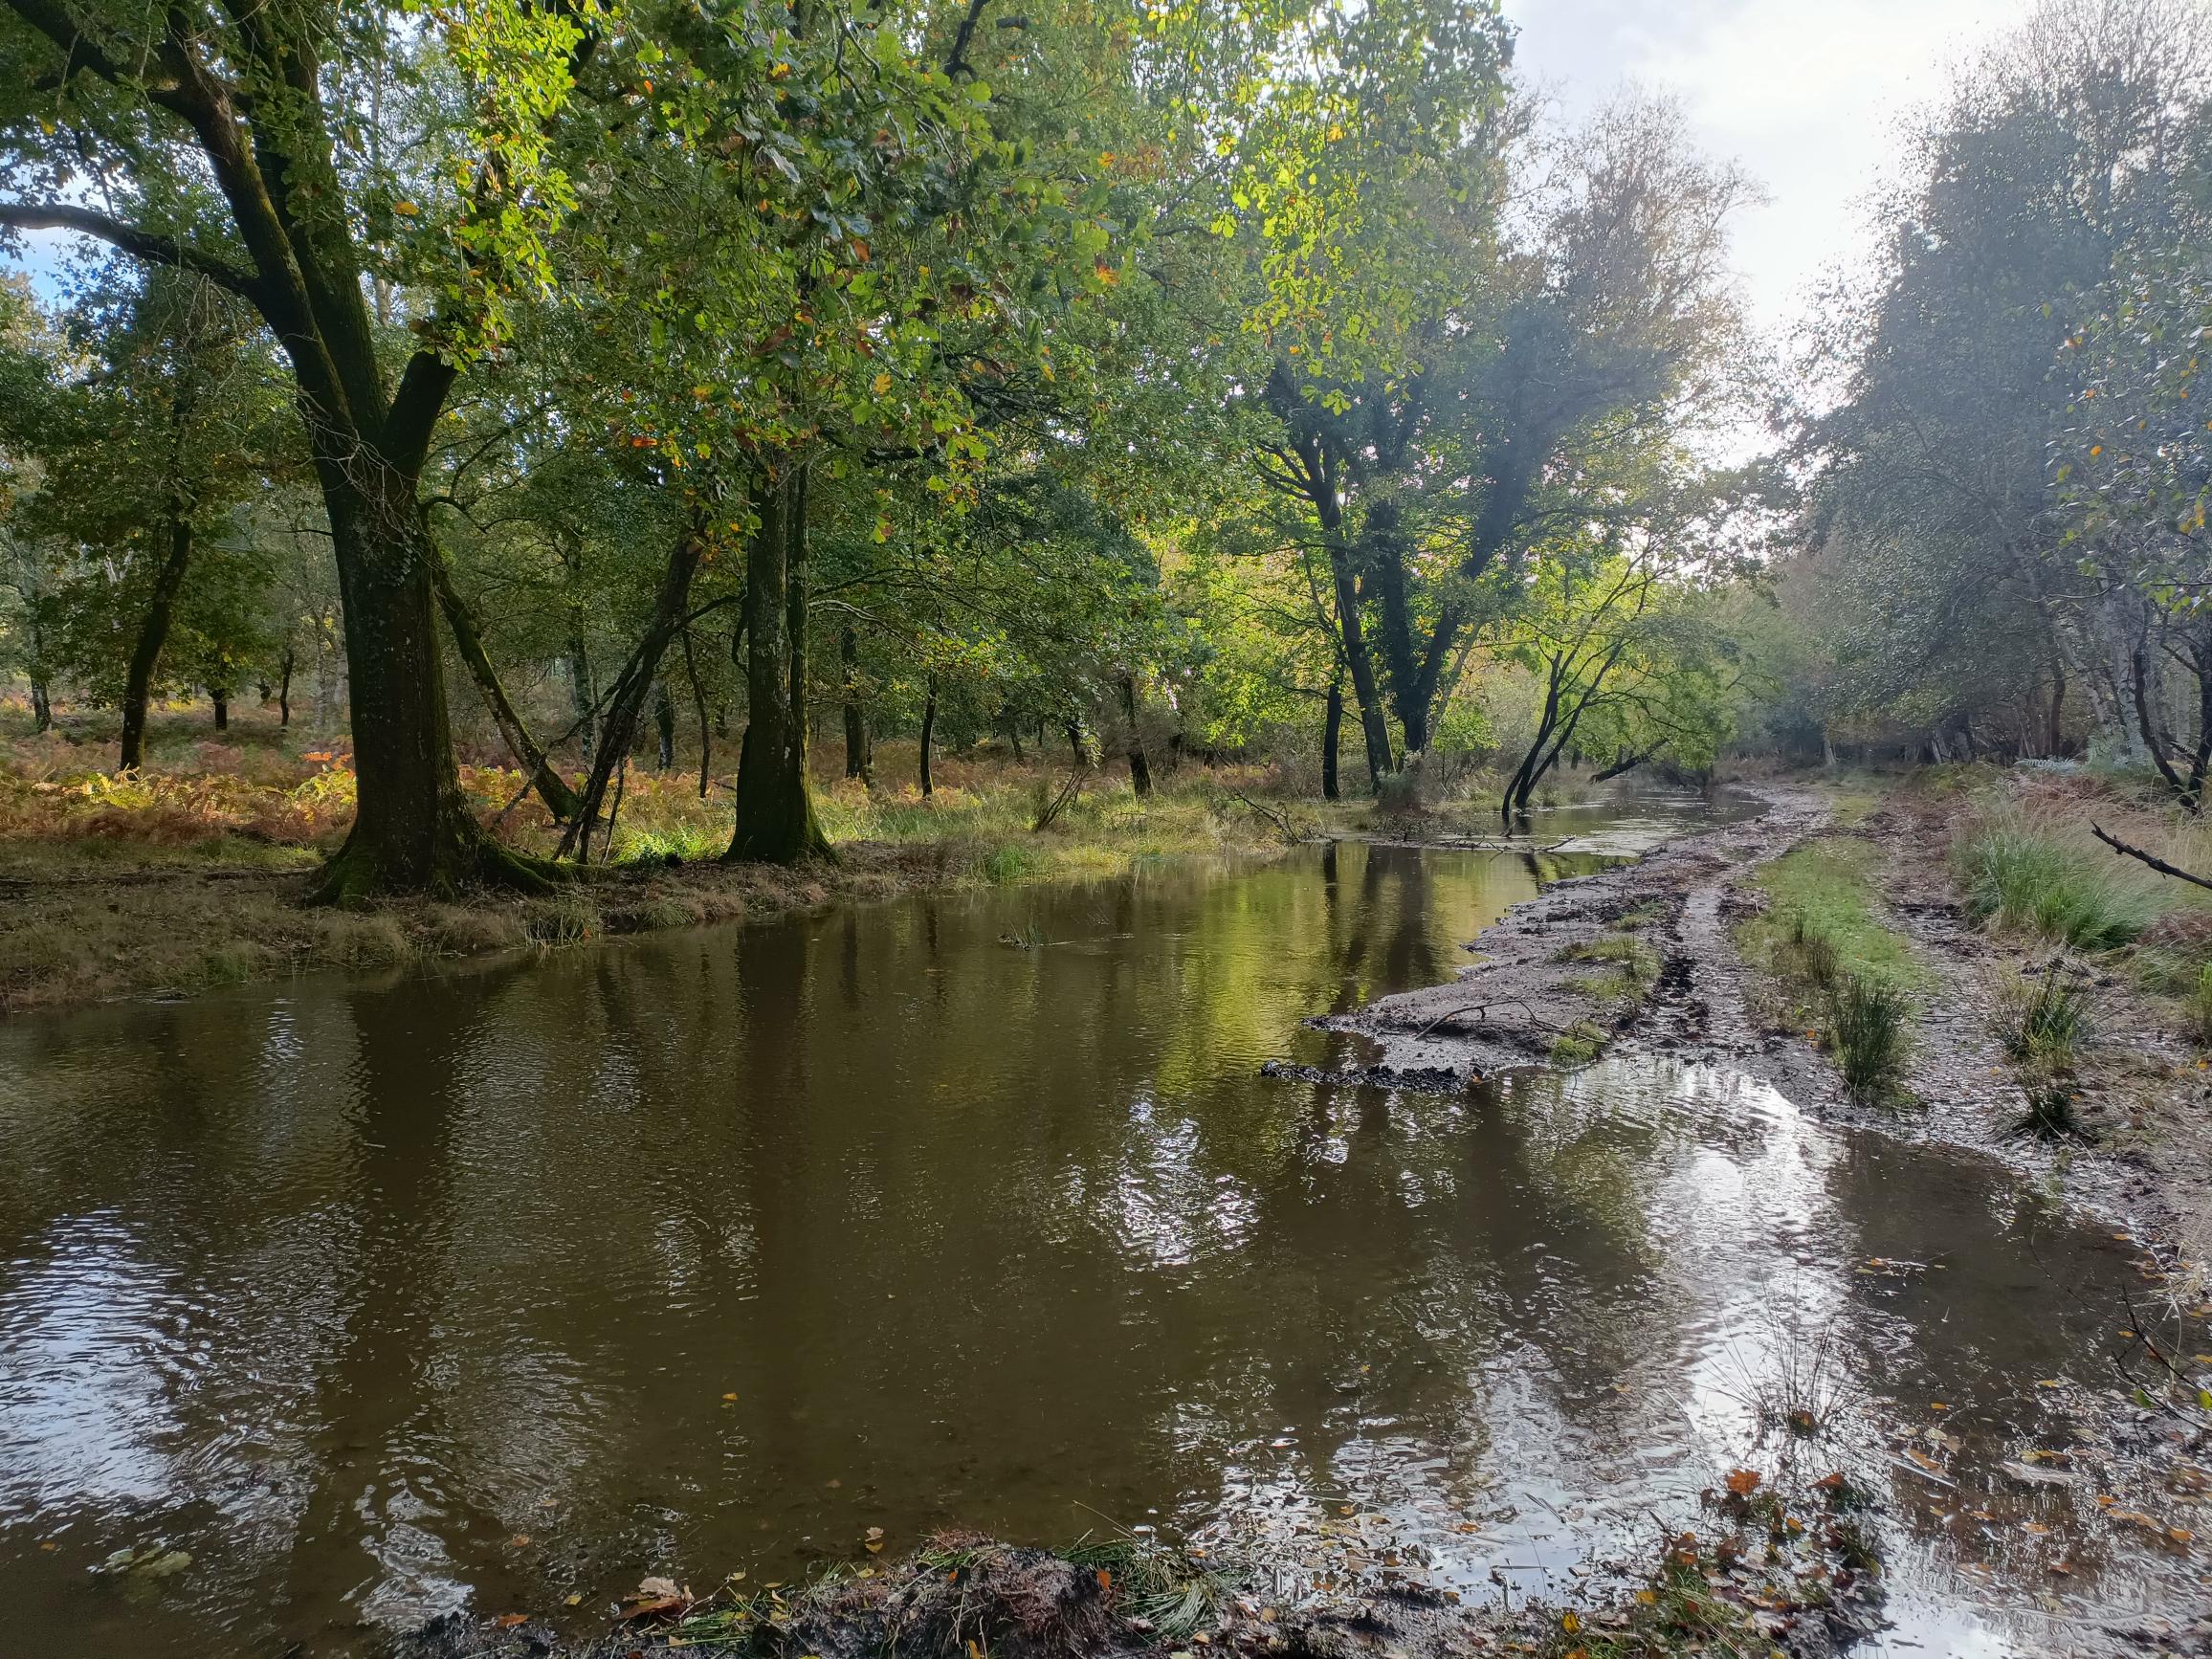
1790, 1576
175, 930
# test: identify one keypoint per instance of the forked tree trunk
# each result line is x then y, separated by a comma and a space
153, 634
776, 822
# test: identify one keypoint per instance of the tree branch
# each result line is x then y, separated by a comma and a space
2138, 854
140, 244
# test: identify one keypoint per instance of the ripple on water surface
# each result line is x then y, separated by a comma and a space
713, 1250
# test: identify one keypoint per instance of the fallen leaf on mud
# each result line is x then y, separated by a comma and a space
519, 1541
509, 1620
1570, 1622
2180, 1535
654, 1589
575, 1601
1743, 1482
1923, 1460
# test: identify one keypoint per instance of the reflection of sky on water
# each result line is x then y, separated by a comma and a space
712, 1250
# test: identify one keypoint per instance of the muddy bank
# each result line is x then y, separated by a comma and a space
1638, 954
1793, 1577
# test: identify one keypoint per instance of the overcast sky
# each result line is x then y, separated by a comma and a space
1805, 93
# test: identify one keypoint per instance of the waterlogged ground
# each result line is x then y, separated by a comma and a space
349, 1301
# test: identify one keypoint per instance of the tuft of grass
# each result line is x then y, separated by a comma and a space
2196, 1007
2021, 874
1007, 863
2051, 1112
1867, 1024
1578, 1045
1159, 1585
1815, 957
2043, 1022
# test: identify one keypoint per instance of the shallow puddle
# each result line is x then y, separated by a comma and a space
710, 1251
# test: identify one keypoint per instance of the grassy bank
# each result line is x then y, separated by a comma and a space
1834, 965
189, 873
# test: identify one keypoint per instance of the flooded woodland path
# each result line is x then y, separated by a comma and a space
353, 1300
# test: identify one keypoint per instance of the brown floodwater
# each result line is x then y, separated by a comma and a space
376, 1297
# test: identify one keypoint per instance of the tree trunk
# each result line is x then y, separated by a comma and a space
1140, 768
284, 690
220, 697
41, 707
412, 832
776, 822
1075, 744
147, 653
664, 725
2055, 740
1382, 555
928, 735
859, 749
1331, 738
552, 788
1372, 725
583, 694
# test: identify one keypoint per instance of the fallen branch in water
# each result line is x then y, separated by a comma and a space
2155, 862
